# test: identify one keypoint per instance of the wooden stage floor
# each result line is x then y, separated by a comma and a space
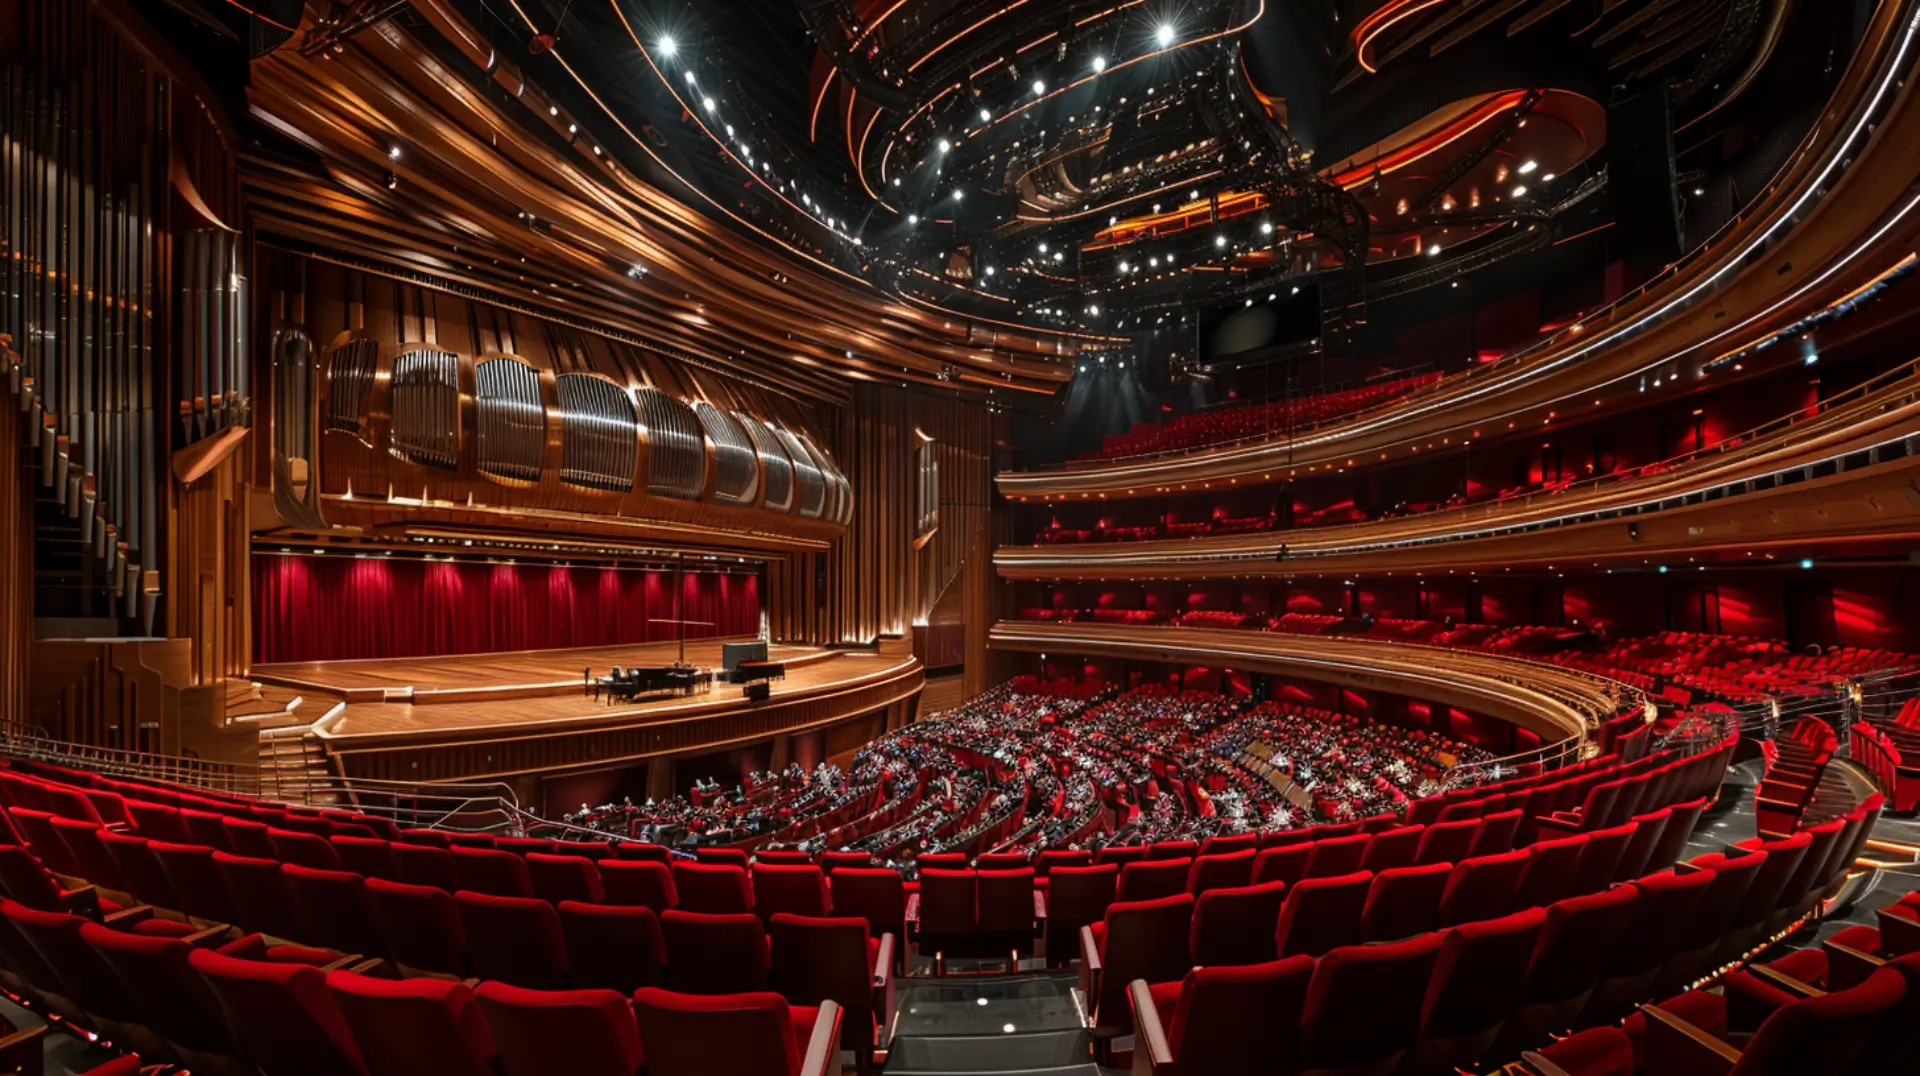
401, 696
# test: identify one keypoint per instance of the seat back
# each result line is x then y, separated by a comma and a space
1448, 842
172, 995
611, 946
1239, 1019
1322, 914
139, 868
1397, 847
1235, 925
261, 899
369, 857
1286, 863
564, 877
95, 863
833, 861
1783, 858
1497, 833
1600, 860
1550, 870
1404, 901
729, 857
420, 925
1173, 849
491, 871
1226, 844
1638, 857
1140, 940
712, 888
281, 1016
1001, 861
823, 959
714, 954
576, 1032
1662, 917
248, 837
1819, 1036
949, 903
196, 882
1363, 1006
1482, 888
80, 973
1580, 933
1152, 879
414, 1027
638, 883
1224, 870
875, 895
1480, 975
513, 939
784, 856
306, 849
423, 864
1341, 855
794, 889
1053, 858
1004, 901
750, 1034
335, 910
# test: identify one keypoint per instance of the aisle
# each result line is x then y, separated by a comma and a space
1018, 1025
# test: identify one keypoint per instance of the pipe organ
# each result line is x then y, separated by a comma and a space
510, 419
599, 437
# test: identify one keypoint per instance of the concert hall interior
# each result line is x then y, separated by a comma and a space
937, 537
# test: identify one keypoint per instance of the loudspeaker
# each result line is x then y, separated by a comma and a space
1641, 183
757, 692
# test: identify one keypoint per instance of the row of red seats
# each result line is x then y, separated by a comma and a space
1885, 756
1482, 989
1204, 428
1794, 765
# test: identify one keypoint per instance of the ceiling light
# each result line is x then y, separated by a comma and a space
710, 105
1219, 240
668, 46
986, 116
1520, 191
913, 218
1164, 35
958, 194
989, 270
1125, 268
1699, 192
1433, 251
1527, 168
1039, 88
945, 145
1548, 178
1043, 248
1266, 227
1099, 64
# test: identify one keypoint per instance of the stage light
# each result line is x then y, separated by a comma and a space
1219, 240
1099, 64
1164, 35
1433, 251
1526, 169
986, 116
668, 46
1039, 88
1806, 562
945, 145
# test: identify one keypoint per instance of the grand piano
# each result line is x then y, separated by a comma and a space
628, 684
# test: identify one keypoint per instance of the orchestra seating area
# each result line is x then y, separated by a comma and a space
1245, 422
211, 930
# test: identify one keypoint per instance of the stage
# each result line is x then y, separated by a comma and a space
377, 706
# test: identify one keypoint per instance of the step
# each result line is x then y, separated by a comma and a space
1050, 1052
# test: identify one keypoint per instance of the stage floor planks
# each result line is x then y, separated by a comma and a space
390, 697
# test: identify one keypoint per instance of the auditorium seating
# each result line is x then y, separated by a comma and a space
1207, 428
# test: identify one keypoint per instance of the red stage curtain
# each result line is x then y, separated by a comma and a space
326, 608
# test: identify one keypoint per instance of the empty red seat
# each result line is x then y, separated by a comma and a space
576, 1032
1222, 1019
817, 960
154, 821
1076, 897
1479, 979
281, 1016
731, 857
95, 863
423, 864
1681, 819
489, 871
1497, 833
1225, 870
1448, 842
369, 857
946, 910
1665, 910
81, 979
1364, 1004
787, 857
1711, 918
513, 939
1550, 870
196, 882
1173, 849
1006, 910
334, 910
1600, 860
1397, 847
712, 889
1339, 855
1482, 888
1285, 863
1235, 925
833, 861
146, 879
414, 1027
1579, 935
756, 1034
564, 877
1137, 940
612, 946
1404, 901
261, 899
1152, 879
1321, 914
246, 837
174, 1000
638, 883
420, 925
796, 889
714, 954
306, 849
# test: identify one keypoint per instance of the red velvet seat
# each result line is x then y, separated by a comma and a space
1050, 859
1665, 910
44, 840
1479, 980
1322, 914
1749, 921
565, 877
1173, 849
1226, 870
878, 896
1076, 897
837, 960
1222, 1021
1137, 940
1600, 860
1681, 820
946, 911
1006, 909
714, 954
196, 881
1363, 1007
369, 857
1497, 833
1340, 855
785, 857
1448, 842
1482, 888
306, 849
523, 846
640, 851
1403, 902
712, 889
81, 977
1732, 878
833, 861
261, 899
612, 946
1550, 870
727, 857
638, 883
797, 889
1397, 847
1152, 879
281, 1016
570, 1032
414, 1027
1235, 925
334, 910
247, 837
206, 827
423, 864
1578, 937
154, 821
420, 925
1286, 863
1121, 854
146, 879
754, 1034
513, 939
174, 1000
490, 871
1227, 844
1637, 859
96, 864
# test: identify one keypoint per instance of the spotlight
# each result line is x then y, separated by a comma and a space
1039, 88
1527, 168
1520, 192
1433, 251
1164, 35
913, 218
1219, 241
1099, 64
1806, 562
945, 145
668, 46
986, 116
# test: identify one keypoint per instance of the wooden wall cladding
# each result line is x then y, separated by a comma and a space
434, 408
877, 580
16, 565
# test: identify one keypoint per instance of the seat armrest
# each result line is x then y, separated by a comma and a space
883, 985
22, 1053
139, 913
216, 933
83, 901
1848, 967
823, 1045
1151, 1054
913, 911
1541, 1065
1555, 822
1089, 973
1040, 906
1780, 980
342, 963
1677, 1048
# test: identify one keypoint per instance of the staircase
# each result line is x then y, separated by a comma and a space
293, 767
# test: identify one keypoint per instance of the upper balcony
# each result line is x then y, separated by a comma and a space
1839, 218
